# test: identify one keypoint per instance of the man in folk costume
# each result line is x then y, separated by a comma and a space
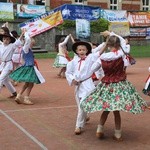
85, 85
7, 49
4, 29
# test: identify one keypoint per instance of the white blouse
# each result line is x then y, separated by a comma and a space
78, 70
6, 53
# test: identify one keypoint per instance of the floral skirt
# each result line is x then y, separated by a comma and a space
60, 61
25, 74
121, 96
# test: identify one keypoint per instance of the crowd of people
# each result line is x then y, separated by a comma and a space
106, 64
97, 71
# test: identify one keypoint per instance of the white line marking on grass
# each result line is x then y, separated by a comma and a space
15, 110
24, 131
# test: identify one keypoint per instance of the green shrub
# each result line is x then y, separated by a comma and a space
96, 26
99, 25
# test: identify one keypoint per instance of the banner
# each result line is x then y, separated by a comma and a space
30, 11
82, 29
120, 28
41, 24
148, 33
139, 19
114, 15
6, 11
138, 32
73, 12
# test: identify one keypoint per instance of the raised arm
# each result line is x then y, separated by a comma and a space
19, 42
65, 41
72, 39
22, 35
27, 43
5, 25
122, 41
98, 48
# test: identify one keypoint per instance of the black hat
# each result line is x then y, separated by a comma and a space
76, 44
7, 35
15, 34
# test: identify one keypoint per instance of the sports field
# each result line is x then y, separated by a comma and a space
49, 123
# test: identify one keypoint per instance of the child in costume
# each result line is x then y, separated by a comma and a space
7, 83
85, 84
114, 93
27, 73
73, 41
7, 48
62, 57
146, 89
17, 56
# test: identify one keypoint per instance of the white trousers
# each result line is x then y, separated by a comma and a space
81, 116
4, 80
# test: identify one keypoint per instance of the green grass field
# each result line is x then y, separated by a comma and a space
140, 51
136, 51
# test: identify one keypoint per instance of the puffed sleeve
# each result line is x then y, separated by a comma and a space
98, 48
127, 48
27, 43
65, 41
96, 66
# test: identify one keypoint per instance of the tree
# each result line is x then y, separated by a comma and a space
97, 26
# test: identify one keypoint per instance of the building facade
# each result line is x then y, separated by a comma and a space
130, 5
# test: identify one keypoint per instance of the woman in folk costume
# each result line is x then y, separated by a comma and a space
62, 58
27, 73
17, 56
83, 83
114, 93
146, 89
7, 48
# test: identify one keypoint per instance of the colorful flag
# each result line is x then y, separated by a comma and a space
41, 24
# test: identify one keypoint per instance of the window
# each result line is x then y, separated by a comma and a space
79, 1
114, 4
40, 2
146, 5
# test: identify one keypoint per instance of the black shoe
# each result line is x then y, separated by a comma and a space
13, 95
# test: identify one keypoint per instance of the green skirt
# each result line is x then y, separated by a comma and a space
25, 74
121, 96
